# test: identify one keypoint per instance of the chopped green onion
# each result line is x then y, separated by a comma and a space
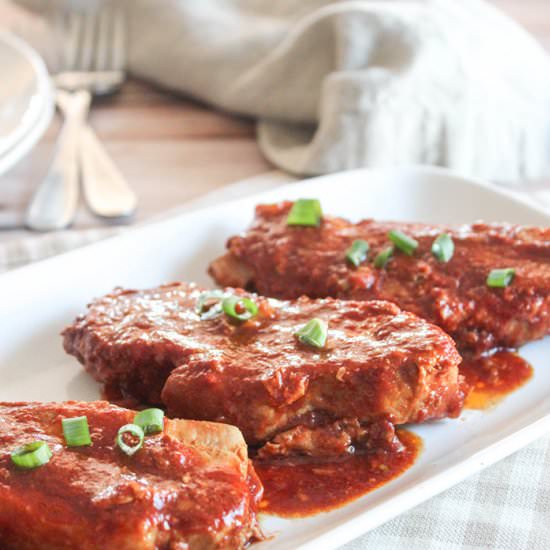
240, 308
32, 455
305, 212
209, 304
151, 420
76, 431
443, 247
405, 243
500, 278
314, 333
357, 252
136, 436
383, 258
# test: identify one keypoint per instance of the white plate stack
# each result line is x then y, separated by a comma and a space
26, 99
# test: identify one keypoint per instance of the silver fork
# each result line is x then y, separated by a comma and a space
93, 60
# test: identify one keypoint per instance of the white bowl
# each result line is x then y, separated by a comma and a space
26, 99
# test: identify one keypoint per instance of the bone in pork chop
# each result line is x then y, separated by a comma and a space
191, 486
380, 364
285, 261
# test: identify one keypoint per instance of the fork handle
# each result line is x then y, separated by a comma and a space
107, 193
54, 203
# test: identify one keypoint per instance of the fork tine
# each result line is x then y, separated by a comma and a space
58, 24
102, 44
87, 27
118, 58
72, 40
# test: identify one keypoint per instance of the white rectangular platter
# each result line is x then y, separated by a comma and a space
38, 300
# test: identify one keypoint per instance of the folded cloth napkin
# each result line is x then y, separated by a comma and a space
344, 84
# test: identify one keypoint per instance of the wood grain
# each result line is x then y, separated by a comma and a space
172, 149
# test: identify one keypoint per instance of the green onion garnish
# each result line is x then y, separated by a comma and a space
209, 304
239, 307
134, 434
305, 212
76, 431
405, 243
32, 455
501, 278
443, 247
383, 258
357, 252
150, 420
314, 333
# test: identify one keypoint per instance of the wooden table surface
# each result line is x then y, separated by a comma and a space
172, 149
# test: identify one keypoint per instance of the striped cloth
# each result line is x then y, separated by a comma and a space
16, 253
505, 507
30, 249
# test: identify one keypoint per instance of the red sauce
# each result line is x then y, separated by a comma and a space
302, 488
113, 394
492, 378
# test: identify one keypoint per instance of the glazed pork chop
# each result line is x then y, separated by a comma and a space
284, 261
190, 486
379, 365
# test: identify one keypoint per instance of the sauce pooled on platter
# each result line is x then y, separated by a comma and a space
300, 487
491, 378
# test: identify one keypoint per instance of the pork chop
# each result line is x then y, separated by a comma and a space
379, 363
284, 261
191, 486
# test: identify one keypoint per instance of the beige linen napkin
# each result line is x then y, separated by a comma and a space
344, 84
